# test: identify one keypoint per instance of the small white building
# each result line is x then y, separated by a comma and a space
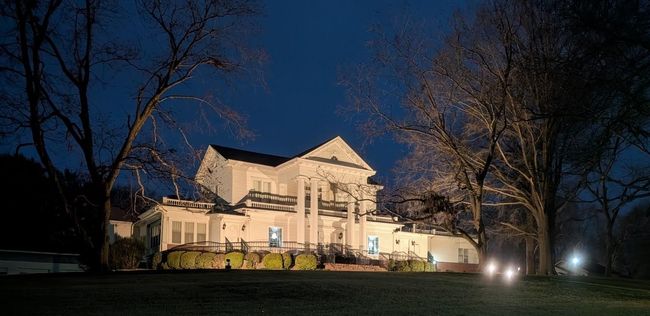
321, 198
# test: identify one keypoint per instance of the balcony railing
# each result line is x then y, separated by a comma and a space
185, 203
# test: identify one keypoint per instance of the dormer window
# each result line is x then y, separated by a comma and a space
334, 158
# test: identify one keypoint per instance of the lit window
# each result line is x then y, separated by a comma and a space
176, 232
463, 255
189, 232
373, 245
200, 232
275, 237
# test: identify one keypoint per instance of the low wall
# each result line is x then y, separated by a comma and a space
456, 267
21, 262
353, 267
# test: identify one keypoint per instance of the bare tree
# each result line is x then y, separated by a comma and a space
452, 107
59, 53
614, 187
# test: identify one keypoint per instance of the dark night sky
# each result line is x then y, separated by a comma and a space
309, 43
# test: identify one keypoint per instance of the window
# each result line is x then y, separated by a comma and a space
373, 245
200, 232
176, 232
463, 255
262, 186
275, 237
266, 187
189, 232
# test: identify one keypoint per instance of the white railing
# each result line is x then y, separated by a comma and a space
185, 203
272, 206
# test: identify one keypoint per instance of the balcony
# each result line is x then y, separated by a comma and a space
270, 201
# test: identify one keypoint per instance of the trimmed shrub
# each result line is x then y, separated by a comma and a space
251, 260
272, 261
402, 266
236, 259
306, 262
287, 260
188, 259
205, 260
391, 265
126, 253
156, 260
164, 266
174, 259
429, 267
219, 261
416, 265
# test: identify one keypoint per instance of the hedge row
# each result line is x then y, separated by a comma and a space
410, 266
177, 260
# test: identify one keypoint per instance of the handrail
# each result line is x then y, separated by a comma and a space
186, 203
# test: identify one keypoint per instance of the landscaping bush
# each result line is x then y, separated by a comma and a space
174, 259
251, 260
287, 260
402, 266
219, 261
156, 260
272, 261
126, 253
188, 260
236, 259
164, 266
391, 265
205, 260
306, 262
429, 267
416, 265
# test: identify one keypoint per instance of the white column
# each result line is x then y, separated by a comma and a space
300, 211
313, 213
349, 228
363, 239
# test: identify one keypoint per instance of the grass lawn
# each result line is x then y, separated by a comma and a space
318, 292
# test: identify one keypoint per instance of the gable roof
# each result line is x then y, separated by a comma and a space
273, 161
250, 156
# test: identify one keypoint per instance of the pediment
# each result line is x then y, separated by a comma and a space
336, 151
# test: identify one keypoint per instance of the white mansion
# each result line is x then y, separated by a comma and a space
321, 198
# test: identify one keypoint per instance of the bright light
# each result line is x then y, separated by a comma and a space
509, 274
492, 268
434, 262
575, 260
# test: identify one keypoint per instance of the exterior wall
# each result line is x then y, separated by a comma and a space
119, 228
178, 214
445, 248
239, 183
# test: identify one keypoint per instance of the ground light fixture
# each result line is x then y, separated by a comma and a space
575, 261
491, 268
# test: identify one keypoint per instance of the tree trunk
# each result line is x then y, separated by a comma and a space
104, 265
530, 255
545, 251
609, 244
